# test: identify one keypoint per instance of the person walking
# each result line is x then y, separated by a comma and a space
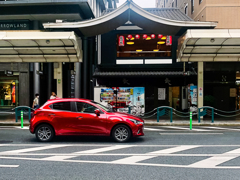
36, 102
53, 96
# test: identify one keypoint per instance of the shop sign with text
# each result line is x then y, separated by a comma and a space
14, 25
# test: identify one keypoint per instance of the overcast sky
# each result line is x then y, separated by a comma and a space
142, 3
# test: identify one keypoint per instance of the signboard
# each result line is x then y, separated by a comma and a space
233, 92
126, 96
9, 73
192, 96
20, 25
161, 93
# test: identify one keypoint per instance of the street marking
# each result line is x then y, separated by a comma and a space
152, 129
182, 128
57, 158
173, 150
21, 128
211, 162
9, 166
132, 159
190, 133
221, 128
33, 149
235, 151
111, 148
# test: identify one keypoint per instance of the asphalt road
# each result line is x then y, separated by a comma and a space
163, 153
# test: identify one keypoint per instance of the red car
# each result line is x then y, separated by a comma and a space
83, 117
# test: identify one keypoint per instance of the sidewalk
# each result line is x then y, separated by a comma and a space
148, 122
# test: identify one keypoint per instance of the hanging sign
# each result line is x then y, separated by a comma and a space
161, 93
121, 41
169, 41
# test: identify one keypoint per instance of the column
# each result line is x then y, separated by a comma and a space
36, 78
200, 84
58, 77
78, 82
85, 68
50, 78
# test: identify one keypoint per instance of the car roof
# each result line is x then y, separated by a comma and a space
68, 99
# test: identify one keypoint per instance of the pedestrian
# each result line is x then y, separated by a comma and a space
36, 102
53, 96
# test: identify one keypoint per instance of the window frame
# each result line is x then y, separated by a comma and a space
71, 106
75, 107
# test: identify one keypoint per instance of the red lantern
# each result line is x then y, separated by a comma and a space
129, 37
137, 36
153, 36
160, 36
145, 36
169, 41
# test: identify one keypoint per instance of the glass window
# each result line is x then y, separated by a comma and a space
144, 45
85, 107
192, 6
64, 106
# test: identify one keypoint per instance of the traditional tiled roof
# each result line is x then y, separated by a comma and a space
168, 13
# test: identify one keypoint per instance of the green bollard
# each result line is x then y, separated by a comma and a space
21, 119
190, 120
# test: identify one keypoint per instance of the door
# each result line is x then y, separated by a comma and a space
89, 122
63, 119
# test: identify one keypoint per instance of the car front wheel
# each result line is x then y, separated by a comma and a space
121, 133
44, 133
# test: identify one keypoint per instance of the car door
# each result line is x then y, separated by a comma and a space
64, 119
89, 122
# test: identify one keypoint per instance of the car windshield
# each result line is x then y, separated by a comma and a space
108, 109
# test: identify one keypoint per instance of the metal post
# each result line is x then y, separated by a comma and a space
16, 115
50, 77
171, 116
157, 114
129, 109
22, 119
78, 81
212, 115
199, 117
190, 120
36, 78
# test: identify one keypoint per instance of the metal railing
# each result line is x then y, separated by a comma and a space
201, 112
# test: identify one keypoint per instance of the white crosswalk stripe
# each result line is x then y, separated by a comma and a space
32, 149
100, 150
132, 159
173, 150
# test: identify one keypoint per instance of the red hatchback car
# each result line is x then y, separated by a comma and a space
83, 117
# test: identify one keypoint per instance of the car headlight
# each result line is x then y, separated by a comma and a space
135, 121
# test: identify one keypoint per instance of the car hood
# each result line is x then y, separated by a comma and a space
126, 115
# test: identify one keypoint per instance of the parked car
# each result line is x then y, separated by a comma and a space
83, 117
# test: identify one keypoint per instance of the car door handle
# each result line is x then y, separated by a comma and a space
51, 114
79, 117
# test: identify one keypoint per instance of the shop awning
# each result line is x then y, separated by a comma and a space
129, 11
217, 45
36, 46
141, 73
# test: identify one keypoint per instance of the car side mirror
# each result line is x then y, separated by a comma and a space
97, 112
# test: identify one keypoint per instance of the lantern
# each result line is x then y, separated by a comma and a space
137, 36
153, 36
145, 36
129, 37
160, 36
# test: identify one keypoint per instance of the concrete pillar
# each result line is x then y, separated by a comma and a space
200, 84
58, 77
85, 68
36, 78
78, 82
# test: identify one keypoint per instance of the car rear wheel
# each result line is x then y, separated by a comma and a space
121, 133
44, 133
